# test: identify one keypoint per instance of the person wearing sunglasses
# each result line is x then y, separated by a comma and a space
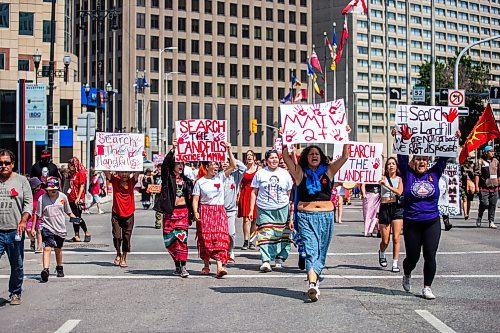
16, 205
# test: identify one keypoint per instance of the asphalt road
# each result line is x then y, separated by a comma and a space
357, 295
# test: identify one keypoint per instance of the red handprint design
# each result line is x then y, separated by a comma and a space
219, 137
217, 186
182, 139
302, 112
290, 135
376, 164
405, 132
452, 115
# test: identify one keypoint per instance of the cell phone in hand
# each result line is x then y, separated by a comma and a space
74, 220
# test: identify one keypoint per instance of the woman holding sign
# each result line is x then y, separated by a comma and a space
314, 178
211, 218
421, 222
244, 200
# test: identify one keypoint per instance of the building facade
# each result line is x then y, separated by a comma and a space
24, 30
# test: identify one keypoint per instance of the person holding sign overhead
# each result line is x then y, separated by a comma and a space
314, 178
421, 221
211, 218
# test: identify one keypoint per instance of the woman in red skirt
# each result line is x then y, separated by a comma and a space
211, 220
249, 226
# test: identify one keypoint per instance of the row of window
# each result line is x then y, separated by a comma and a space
208, 4
472, 5
26, 23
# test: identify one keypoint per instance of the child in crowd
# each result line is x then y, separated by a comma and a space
33, 225
51, 208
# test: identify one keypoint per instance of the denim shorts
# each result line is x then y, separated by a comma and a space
389, 212
51, 240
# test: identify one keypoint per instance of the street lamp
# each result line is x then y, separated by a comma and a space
160, 95
109, 92
87, 91
37, 58
66, 61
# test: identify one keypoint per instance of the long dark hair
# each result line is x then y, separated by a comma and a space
386, 173
303, 157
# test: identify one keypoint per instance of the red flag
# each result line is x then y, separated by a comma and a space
301, 94
315, 61
358, 6
485, 130
345, 35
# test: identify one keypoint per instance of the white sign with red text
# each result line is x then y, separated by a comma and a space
364, 164
119, 151
201, 140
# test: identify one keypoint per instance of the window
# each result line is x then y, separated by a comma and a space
233, 50
155, 3
303, 18
195, 5
168, 23
221, 90
233, 70
270, 93
181, 45
257, 52
155, 42
269, 53
168, 4
208, 10
4, 15
195, 67
269, 14
220, 8
233, 30
291, 17
208, 27
208, 48
269, 73
181, 66
26, 23
181, 88
167, 42
23, 65
281, 16
140, 42
153, 64
141, 20
245, 31
46, 31
195, 89
245, 50
292, 55
233, 91
281, 35
245, 11
245, 92
257, 33
303, 38
181, 23
220, 49
258, 72
281, 54
233, 10
220, 28
257, 13
258, 92
195, 47
208, 68
155, 22
245, 69
207, 89
141, 63
291, 36
181, 6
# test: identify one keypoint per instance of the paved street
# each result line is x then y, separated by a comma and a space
356, 296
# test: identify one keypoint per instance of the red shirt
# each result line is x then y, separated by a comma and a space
123, 197
75, 181
95, 188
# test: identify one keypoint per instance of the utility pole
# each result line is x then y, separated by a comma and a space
433, 54
50, 116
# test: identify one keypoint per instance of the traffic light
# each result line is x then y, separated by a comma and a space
146, 141
253, 126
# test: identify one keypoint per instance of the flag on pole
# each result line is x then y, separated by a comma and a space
345, 35
301, 94
315, 61
295, 83
485, 130
287, 98
318, 91
356, 6
332, 53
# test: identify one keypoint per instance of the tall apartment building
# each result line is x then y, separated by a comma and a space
458, 23
24, 29
233, 61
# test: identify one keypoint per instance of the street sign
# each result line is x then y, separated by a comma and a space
443, 95
419, 94
495, 95
395, 93
86, 124
463, 111
456, 97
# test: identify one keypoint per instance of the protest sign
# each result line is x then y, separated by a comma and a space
449, 203
364, 164
153, 188
158, 159
201, 140
426, 130
314, 123
278, 145
119, 151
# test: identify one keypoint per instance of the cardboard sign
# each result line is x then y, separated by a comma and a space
152, 188
449, 203
364, 165
119, 151
158, 159
278, 145
314, 123
426, 130
201, 140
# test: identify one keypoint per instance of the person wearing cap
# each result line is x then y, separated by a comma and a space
51, 209
33, 225
486, 176
44, 168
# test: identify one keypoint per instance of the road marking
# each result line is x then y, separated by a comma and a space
167, 276
431, 319
68, 326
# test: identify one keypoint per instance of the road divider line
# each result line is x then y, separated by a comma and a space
431, 319
68, 326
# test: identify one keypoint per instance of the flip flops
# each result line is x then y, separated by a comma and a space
221, 274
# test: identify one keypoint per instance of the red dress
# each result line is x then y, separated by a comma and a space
246, 190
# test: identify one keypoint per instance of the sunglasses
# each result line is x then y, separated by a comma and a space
5, 163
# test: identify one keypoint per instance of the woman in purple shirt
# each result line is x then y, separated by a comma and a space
421, 224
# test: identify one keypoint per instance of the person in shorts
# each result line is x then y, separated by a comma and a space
51, 209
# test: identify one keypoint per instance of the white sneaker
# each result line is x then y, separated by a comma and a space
100, 212
407, 283
265, 267
278, 263
427, 293
492, 225
313, 292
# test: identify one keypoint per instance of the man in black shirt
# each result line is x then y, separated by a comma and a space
44, 168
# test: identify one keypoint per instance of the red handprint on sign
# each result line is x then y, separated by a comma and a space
182, 139
290, 135
219, 137
376, 164
302, 112
405, 132
452, 115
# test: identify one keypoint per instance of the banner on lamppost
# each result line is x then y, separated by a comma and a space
35, 112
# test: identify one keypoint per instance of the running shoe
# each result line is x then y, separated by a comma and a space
184, 272
278, 263
177, 271
59, 271
427, 293
313, 292
265, 267
381, 259
407, 283
492, 225
44, 275
245, 245
251, 246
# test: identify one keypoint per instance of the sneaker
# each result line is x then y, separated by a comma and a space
478, 222
381, 259
184, 272
44, 275
87, 211
407, 283
15, 299
395, 269
59, 271
427, 293
492, 225
177, 271
313, 292
278, 263
265, 267
100, 212
448, 226
245, 245
32, 245
251, 246
302, 263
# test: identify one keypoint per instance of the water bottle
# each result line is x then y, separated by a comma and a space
18, 237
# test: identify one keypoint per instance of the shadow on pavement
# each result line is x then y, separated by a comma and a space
373, 290
3, 301
365, 268
97, 263
352, 235
282, 292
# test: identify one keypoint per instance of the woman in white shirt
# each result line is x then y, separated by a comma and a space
271, 191
211, 219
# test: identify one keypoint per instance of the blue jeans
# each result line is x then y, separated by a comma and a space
316, 230
15, 252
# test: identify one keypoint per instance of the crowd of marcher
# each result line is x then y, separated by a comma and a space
289, 198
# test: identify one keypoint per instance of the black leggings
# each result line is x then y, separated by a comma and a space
417, 235
78, 213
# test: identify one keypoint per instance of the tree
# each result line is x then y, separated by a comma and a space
473, 77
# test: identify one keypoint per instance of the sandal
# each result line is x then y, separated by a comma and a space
75, 240
117, 260
381, 260
87, 239
123, 263
205, 270
221, 273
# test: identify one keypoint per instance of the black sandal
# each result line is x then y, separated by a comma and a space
87, 239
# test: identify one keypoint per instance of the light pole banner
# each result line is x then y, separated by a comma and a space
36, 112
201, 140
314, 123
119, 151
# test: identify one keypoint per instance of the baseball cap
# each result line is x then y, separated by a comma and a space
45, 154
52, 183
488, 148
34, 182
